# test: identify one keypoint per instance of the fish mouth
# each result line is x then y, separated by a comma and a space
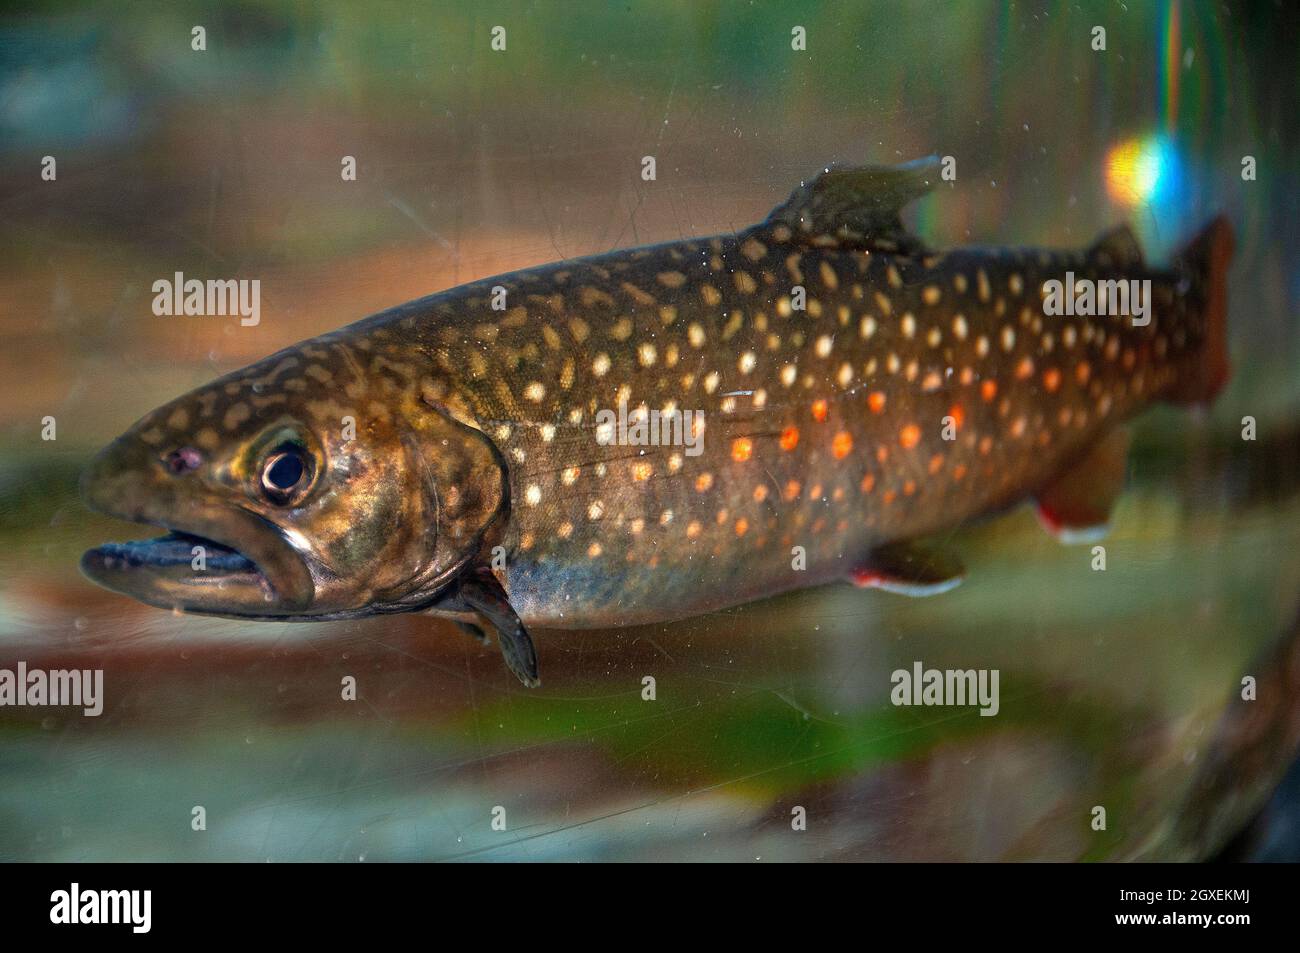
176, 549
197, 572
214, 559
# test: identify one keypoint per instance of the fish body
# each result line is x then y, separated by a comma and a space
666, 431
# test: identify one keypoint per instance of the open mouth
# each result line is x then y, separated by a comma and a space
216, 557
197, 573
181, 570
176, 549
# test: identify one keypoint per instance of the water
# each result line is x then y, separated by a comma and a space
1119, 689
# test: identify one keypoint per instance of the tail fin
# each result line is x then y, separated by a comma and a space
1205, 261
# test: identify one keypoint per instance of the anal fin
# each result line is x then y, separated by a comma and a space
909, 569
1075, 507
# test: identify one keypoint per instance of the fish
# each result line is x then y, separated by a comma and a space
667, 431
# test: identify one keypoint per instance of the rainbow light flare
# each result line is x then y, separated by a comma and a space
1142, 171
1170, 64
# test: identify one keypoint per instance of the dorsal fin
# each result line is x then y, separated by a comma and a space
1117, 246
858, 205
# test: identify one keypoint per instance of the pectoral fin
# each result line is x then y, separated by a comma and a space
480, 591
909, 569
1075, 508
473, 631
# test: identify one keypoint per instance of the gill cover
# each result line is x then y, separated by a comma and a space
463, 481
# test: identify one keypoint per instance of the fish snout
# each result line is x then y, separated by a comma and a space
217, 557
120, 478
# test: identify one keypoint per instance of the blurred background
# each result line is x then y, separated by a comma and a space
1119, 688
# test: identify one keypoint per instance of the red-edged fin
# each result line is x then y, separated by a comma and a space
909, 569
1075, 508
1205, 260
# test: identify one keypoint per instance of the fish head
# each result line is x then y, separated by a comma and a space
284, 503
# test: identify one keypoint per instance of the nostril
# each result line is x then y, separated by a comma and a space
182, 460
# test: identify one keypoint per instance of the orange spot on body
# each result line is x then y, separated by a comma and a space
742, 448
876, 401
792, 489
989, 390
789, 438
1051, 379
868, 483
841, 445
742, 526
936, 463
819, 410
882, 453
1082, 372
1024, 369
958, 415
909, 487
910, 436
959, 471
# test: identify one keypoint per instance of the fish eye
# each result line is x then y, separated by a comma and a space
285, 472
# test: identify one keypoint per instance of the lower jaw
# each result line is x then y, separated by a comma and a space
177, 549
221, 585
